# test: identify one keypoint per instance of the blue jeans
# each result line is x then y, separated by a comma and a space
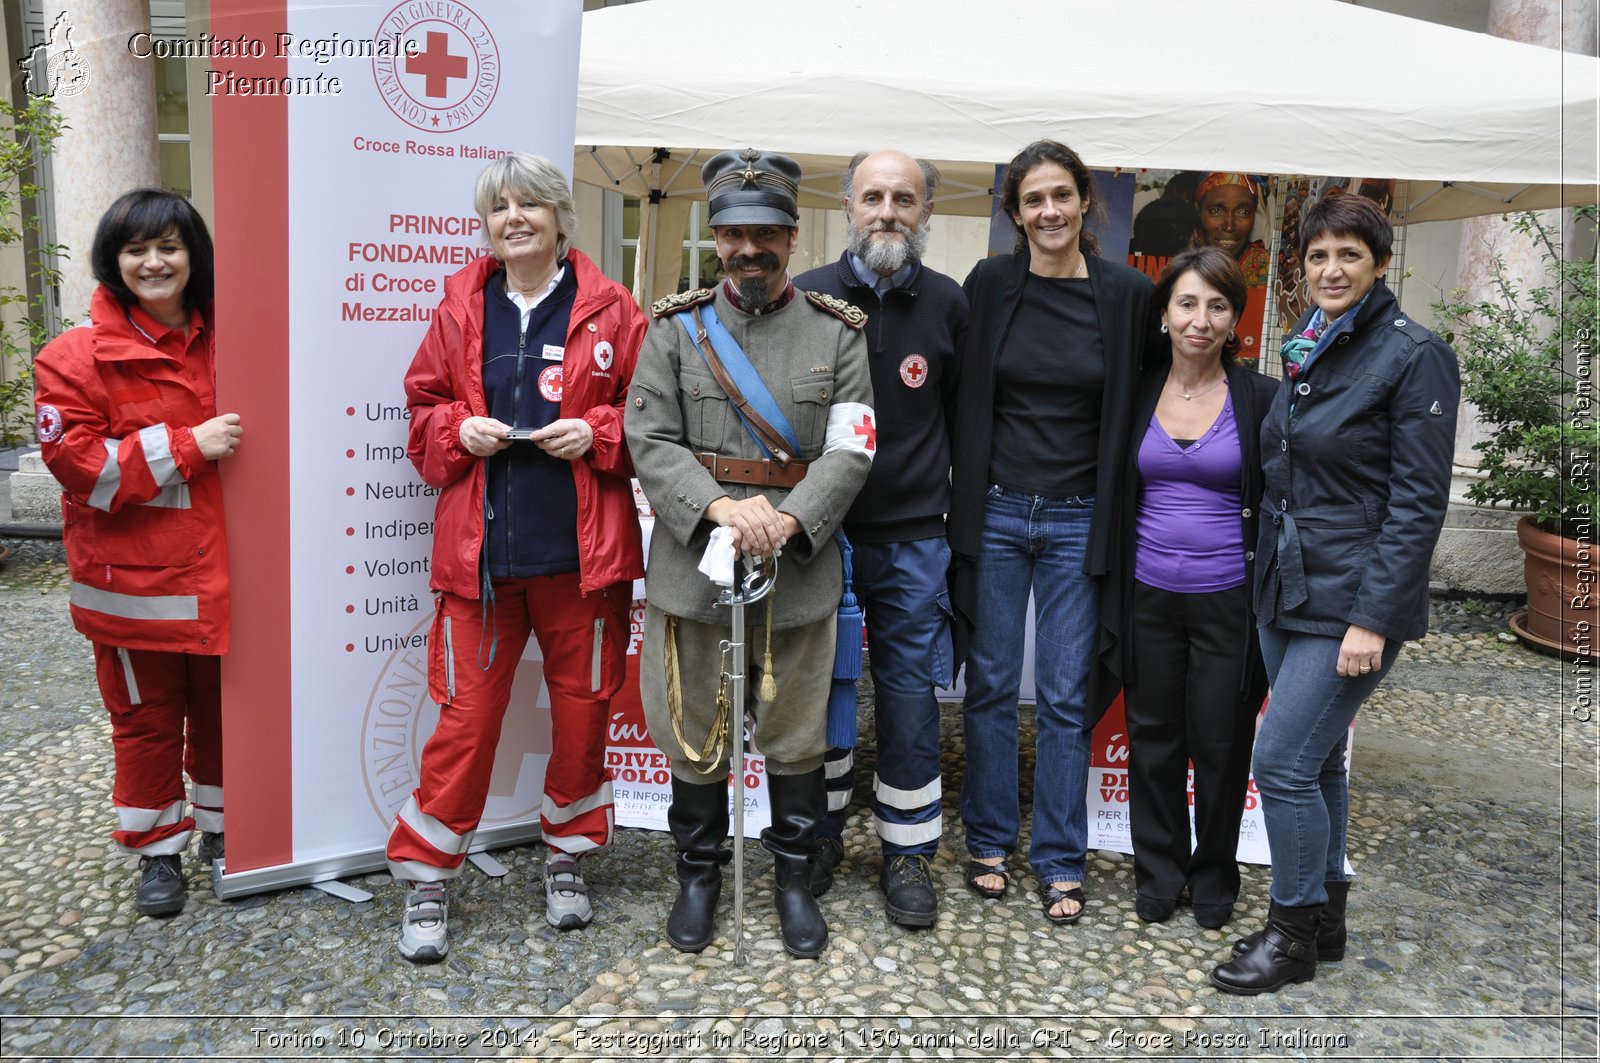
1039, 545
1299, 759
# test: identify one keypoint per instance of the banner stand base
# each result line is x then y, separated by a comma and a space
320, 872
342, 890
487, 864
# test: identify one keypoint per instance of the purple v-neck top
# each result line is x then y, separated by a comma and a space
1188, 530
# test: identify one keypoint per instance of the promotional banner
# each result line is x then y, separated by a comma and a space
348, 139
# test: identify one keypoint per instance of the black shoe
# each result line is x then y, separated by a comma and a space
1216, 916
908, 894
1331, 933
698, 819
161, 887
212, 847
1285, 953
1154, 909
830, 854
798, 803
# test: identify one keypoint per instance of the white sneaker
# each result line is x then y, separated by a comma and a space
566, 897
424, 929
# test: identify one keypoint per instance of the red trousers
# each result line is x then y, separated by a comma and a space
166, 718
584, 642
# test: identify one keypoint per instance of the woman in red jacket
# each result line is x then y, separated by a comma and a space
127, 419
516, 417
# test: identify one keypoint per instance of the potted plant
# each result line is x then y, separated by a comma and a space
1527, 360
25, 133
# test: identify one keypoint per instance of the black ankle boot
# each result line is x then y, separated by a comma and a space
1331, 933
161, 887
698, 819
798, 805
1286, 952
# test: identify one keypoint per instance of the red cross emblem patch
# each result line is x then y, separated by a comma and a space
550, 383
914, 370
47, 425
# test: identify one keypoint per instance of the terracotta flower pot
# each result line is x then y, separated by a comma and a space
1563, 577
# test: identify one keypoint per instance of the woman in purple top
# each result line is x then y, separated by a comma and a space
1195, 680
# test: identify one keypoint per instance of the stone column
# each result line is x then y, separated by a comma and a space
1478, 551
109, 145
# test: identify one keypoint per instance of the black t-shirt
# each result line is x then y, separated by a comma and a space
1048, 385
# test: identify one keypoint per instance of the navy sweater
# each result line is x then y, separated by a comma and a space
913, 337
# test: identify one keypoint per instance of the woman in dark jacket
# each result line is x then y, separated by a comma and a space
1356, 457
1048, 373
1195, 680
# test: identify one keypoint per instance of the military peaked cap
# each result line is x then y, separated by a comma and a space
752, 187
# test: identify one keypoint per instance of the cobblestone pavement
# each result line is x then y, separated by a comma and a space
1473, 920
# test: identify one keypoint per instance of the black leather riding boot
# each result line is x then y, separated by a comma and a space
698, 819
1331, 933
798, 805
1286, 952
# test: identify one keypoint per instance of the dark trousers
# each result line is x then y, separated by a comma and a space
1184, 704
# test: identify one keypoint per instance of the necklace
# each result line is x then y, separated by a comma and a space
1188, 395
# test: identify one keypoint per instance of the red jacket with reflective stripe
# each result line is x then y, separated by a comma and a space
445, 386
115, 403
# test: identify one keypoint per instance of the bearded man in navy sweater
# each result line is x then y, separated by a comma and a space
896, 526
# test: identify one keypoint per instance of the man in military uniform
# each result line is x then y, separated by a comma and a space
702, 469
896, 525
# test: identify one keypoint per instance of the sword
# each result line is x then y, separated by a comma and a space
756, 585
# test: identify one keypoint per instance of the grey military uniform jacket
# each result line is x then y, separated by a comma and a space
813, 359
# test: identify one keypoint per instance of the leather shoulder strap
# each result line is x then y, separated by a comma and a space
765, 434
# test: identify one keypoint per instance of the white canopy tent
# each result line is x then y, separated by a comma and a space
1469, 124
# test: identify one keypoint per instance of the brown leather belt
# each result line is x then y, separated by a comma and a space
763, 472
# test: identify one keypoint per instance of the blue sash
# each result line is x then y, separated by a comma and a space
745, 376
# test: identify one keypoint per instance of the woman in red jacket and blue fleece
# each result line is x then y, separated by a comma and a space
516, 417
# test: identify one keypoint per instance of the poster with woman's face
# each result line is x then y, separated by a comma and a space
1178, 209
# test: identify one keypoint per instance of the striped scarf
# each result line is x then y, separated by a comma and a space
1299, 351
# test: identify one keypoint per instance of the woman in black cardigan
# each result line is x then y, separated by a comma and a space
1048, 374
1195, 680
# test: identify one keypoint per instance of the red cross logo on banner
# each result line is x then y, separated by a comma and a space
866, 428
914, 370
437, 65
439, 69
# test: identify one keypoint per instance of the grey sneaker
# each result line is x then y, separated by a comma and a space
566, 897
424, 929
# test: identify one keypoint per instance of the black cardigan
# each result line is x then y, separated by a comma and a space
1252, 395
994, 290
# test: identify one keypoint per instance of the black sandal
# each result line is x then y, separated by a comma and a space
1053, 896
977, 869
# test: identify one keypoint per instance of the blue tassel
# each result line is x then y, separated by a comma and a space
842, 715
847, 646
846, 661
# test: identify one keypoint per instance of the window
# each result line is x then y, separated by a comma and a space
700, 267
